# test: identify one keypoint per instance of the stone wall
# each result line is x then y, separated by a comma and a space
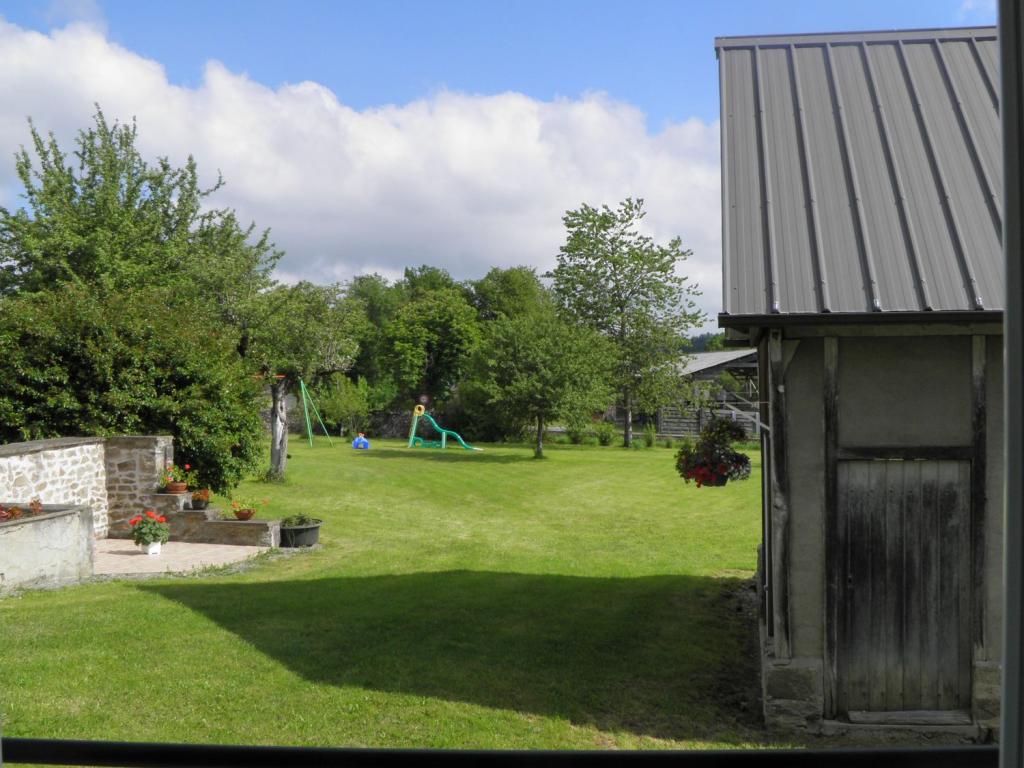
133, 471
66, 471
46, 550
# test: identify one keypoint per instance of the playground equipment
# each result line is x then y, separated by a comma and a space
307, 403
419, 412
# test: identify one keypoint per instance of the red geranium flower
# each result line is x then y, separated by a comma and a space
161, 519
135, 520
187, 467
150, 514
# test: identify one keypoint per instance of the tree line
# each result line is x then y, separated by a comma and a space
130, 303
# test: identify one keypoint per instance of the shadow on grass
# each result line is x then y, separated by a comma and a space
451, 454
665, 656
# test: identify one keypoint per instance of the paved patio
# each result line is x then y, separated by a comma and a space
120, 557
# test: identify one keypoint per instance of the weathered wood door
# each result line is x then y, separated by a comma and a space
904, 623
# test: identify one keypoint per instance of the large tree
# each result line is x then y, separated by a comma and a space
540, 367
146, 266
106, 217
306, 333
618, 281
429, 342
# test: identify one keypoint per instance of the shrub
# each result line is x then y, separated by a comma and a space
667, 442
650, 435
605, 432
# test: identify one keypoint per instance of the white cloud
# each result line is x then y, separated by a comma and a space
977, 11
456, 180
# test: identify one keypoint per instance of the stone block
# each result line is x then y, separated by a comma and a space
793, 694
986, 689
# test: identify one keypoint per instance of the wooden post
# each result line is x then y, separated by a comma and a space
979, 415
779, 497
835, 562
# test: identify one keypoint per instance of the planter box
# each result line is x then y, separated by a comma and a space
46, 550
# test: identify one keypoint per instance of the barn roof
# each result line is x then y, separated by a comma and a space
861, 174
696, 362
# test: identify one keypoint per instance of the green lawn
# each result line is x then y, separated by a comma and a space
459, 600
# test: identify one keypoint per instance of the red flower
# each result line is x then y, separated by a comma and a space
187, 467
161, 519
151, 514
135, 520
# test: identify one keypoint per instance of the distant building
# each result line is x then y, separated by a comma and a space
862, 259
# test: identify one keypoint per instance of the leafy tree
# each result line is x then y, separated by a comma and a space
344, 404
305, 332
622, 284
88, 361
429, 342
108, 218
507, 292
542, 367
380, 302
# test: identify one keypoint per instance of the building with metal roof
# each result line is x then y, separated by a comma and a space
860, 174
862, 258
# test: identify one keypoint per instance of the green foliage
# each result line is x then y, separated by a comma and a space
76, 361
344, 404
106, 217
618, 281
507, 293
650, 435
296, 521
605, 432
543, 368
429, 342
708, 342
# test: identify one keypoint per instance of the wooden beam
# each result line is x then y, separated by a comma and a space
979, 416
812, 330
779, 497
835, 561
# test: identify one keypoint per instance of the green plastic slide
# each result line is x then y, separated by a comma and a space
415, 441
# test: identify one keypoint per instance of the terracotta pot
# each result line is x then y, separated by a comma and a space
244, 514
177, 487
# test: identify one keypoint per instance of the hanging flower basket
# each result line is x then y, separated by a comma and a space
712, 461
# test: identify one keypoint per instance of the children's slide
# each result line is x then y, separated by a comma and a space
415, 441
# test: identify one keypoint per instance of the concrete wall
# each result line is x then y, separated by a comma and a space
47, 550
893, 390
67, 470
133, 467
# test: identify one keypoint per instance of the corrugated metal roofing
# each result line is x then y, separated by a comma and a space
861, 172
701, 361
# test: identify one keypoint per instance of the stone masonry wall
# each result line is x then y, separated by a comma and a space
133, 470
68, 470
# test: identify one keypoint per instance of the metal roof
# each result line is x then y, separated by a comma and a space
701, 361
861, 173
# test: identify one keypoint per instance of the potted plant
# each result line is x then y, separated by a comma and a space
177, 479
201, 498
300, 531
712, 460
150, 530
244, 509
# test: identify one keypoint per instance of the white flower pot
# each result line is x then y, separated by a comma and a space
153, 549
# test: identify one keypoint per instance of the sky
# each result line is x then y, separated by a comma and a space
372, 136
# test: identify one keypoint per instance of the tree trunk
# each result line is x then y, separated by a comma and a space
278, 429
538, 451
627, 435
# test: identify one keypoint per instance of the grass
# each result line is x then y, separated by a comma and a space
473, 600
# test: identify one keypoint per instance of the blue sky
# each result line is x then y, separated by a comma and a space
656, 55
373, 135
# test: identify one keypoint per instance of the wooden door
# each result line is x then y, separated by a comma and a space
904, 623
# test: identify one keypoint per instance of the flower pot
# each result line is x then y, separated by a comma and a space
300, 535
177, 487
153, 548
197, 504
244, 514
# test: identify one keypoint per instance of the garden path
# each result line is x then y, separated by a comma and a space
120, 557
